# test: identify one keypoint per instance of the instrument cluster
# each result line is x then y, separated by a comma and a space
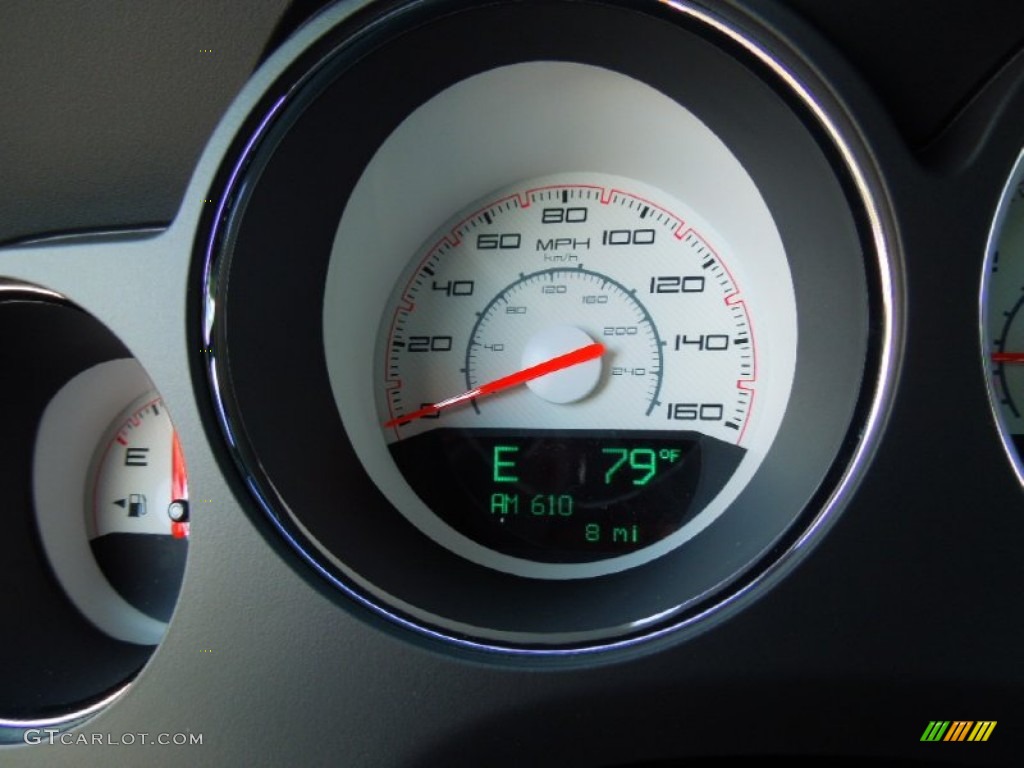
597, 351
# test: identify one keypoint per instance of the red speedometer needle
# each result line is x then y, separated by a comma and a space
1008, 357
569, 359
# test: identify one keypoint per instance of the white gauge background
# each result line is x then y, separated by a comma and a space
514, 123
73, 426
113, 490
630, 303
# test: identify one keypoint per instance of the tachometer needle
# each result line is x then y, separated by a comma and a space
569, 359
1008, 357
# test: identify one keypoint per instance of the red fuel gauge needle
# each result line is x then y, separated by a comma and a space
179, 485
1008, 357
569, 359
179, 478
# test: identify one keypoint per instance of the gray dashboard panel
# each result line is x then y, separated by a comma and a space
107, 105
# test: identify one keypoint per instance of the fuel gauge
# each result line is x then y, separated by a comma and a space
111, 498
138, 510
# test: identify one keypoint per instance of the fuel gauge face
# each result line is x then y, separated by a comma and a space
138, 509
111, 500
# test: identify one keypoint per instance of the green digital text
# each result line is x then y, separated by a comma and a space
503, 467
643, 461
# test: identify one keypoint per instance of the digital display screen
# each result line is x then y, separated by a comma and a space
569, 496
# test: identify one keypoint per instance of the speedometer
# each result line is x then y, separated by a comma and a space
532, 345
568, 376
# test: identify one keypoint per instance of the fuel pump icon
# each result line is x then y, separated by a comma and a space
136, 505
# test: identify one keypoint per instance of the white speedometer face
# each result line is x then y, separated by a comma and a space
574, 378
